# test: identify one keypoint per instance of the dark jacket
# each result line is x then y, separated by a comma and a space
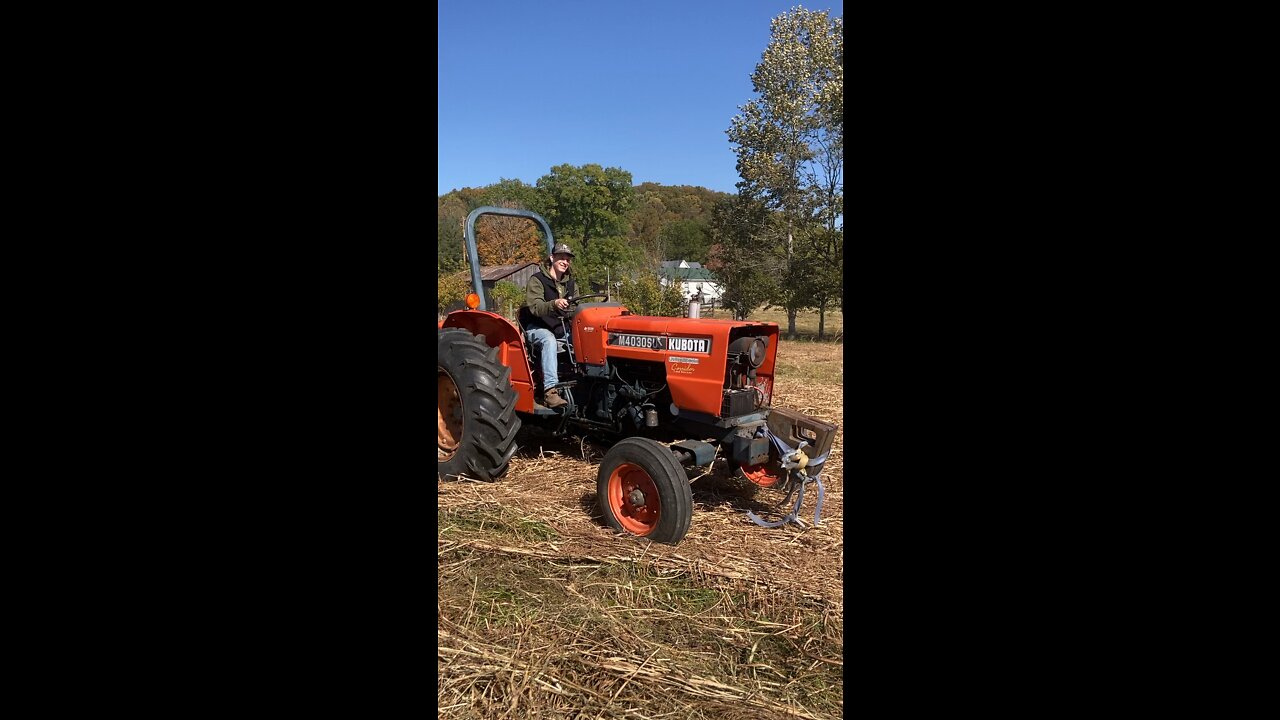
550, 318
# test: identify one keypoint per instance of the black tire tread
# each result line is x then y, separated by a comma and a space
667, 473
490, 423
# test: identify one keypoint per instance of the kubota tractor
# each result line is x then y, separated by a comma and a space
668, 393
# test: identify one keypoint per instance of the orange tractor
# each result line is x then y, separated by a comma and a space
669, 394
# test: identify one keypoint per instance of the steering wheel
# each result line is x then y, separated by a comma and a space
576, 299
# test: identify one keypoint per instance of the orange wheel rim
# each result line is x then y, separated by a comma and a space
760, 475
633, 498
449, 420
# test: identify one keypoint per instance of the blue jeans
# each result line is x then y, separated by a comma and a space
545, 341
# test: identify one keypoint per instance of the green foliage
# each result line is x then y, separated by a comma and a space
451, 213
673, 303
823, 257
682, 202
471, 198
663, 222
658, 207
644, 294
790, 147
790, 139
608, 258
507, 297
647, 219
514, 192
448, 249
744, 255
618, 231
450, 289
685, 240
587, 202
792, 291
454, 206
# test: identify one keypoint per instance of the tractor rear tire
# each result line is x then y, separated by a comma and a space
477, 421
643, 490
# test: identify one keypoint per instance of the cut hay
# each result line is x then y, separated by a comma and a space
545, 612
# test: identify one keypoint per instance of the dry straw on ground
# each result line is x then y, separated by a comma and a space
545, 612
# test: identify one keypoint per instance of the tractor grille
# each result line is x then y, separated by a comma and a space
738, 402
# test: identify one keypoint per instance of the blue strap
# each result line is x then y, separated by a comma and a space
789, 517
793, 516
762, 523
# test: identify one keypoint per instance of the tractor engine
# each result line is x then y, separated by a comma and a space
744, 389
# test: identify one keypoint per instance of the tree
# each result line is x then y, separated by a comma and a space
451, 215
743, 232
823, 256
657, 207
647, 217
507, 297
644, 294
512, 193
609, 258
586, 202
450, 289
790, 139
685, 240
507, 240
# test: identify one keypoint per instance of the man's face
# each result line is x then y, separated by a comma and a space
561, 262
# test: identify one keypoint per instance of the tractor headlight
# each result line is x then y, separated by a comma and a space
749, 350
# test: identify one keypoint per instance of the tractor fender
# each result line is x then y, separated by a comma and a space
502, 334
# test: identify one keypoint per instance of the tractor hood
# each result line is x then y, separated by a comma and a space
632, 322
697, 353
700, 336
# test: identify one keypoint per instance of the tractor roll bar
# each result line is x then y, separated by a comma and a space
474, 257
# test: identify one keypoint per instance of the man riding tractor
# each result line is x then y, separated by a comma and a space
546, 304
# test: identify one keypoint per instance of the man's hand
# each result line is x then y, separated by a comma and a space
561, 304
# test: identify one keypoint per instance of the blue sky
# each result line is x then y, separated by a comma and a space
649, 87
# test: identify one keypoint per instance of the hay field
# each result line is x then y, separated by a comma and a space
806, 323
545, 613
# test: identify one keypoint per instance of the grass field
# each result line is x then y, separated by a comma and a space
806, 323
546, 613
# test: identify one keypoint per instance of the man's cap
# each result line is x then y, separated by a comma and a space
562, 248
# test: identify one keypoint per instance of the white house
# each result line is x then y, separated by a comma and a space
693, 278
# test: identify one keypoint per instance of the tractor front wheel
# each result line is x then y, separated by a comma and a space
476, 421
643, 490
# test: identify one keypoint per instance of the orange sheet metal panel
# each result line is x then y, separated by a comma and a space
589, 333
692, 350
501, 333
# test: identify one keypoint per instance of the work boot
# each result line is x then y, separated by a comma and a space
553, 400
